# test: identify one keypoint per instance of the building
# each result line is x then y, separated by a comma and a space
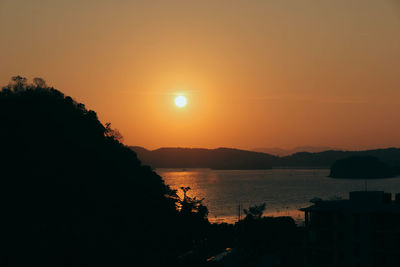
362, 231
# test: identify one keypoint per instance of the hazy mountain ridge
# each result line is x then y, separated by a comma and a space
276, 151
220, 158
229, 158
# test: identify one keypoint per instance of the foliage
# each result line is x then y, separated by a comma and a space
272, 236
189, 205
112, 133
73, 195
255, 212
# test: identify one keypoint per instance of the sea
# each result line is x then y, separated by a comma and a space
227, 193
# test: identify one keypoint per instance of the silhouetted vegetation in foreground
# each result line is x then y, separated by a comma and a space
262, 241
72, 194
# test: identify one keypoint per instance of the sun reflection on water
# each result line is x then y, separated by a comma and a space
223, 191
185, 178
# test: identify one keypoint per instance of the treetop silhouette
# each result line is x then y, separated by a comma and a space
72, 194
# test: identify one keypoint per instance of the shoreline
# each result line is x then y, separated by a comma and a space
297, 215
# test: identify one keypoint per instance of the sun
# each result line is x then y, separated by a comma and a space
180, 101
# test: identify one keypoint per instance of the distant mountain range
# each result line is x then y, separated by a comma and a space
220, 158
276, 151
229, 158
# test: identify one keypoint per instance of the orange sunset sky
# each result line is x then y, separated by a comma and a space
256, 73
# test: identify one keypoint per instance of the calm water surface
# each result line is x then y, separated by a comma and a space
283, 190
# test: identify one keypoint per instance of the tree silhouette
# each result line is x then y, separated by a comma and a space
189, 205
255, 212
18, 83
71, 194
39, 82
113, 133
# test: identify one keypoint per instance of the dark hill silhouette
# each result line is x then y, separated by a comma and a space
276, 151
362, 167
220, 158
227, 158
72, 195
325, 159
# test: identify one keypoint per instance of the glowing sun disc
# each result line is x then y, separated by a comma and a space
180, 101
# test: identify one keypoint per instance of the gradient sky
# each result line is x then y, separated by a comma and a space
256, 73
